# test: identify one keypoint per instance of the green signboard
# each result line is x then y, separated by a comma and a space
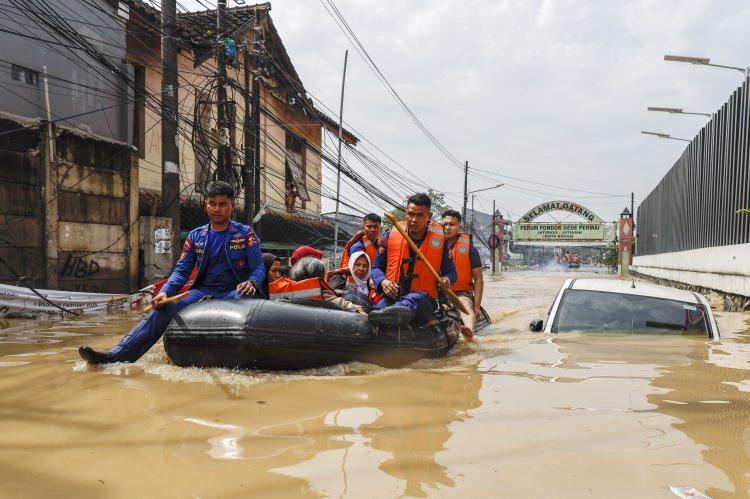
552, 231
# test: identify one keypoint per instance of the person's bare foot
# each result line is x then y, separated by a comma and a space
468, 333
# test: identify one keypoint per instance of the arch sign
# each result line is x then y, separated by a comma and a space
591, 229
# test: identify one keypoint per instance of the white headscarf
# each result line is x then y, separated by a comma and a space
361, 284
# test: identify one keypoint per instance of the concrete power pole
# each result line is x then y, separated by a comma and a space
223, 151
466, 192
248, 177
492, 233
252, 125
170, 158
338, 165
257, 47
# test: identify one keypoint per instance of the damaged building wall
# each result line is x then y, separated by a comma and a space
70, 224
21, 225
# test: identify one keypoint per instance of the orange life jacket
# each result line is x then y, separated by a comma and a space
461, 256
370, 248
399, 260
284, 287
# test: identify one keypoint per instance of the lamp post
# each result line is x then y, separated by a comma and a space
705, 61
472, 203
675, 110
665, 136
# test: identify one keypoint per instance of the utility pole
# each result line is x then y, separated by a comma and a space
632, 216
251, 179
170, 157
248, 176
257, 46
471, 227
466, 191
492, 233
49, 196
223, 151
338, 164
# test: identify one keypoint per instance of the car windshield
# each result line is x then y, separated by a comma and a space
597, 310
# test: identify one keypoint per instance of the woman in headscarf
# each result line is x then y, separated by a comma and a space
272, 263
310, 267
359, 290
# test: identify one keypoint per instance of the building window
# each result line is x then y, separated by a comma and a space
295, 175
25, 75
139, 111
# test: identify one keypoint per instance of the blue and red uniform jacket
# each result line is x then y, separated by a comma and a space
242, 252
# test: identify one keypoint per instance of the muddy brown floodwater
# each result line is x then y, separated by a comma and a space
516, 414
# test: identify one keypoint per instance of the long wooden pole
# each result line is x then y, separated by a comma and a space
454, 298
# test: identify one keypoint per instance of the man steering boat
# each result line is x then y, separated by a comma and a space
409, 289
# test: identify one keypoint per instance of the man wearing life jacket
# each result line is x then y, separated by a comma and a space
365, 240
410, 289
230, 266
469, 285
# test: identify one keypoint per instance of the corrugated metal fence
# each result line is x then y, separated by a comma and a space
695, 204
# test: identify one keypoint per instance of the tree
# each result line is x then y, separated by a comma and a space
610, 256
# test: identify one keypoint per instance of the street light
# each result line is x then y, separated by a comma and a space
487, 188
664, 136
675, 110
471, 227
704, 61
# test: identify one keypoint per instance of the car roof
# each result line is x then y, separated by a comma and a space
633, 287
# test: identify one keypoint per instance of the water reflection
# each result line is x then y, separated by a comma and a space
400, 430
517, 414
707, 399
226, 445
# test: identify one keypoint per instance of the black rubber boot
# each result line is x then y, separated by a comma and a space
393, 316
94, 357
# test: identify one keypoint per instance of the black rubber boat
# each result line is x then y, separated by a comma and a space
278, 335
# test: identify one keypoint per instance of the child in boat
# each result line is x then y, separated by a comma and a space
358, 290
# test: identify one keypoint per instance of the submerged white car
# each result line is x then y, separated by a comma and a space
627, 306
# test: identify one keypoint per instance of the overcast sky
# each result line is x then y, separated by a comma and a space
551, 91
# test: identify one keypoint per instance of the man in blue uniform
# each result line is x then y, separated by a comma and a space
230, 266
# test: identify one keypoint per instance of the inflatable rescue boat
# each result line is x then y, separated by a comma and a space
280, 335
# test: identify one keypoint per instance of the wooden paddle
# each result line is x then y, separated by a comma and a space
171, 299
454, 299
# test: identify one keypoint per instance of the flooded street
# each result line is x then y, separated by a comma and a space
516, 413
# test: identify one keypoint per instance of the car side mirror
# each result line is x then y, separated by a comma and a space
536, 326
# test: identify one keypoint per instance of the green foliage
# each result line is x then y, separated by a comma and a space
610, 256
744, 211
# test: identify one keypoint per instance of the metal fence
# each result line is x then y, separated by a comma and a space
695, 204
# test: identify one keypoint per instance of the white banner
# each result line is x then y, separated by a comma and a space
22, 302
